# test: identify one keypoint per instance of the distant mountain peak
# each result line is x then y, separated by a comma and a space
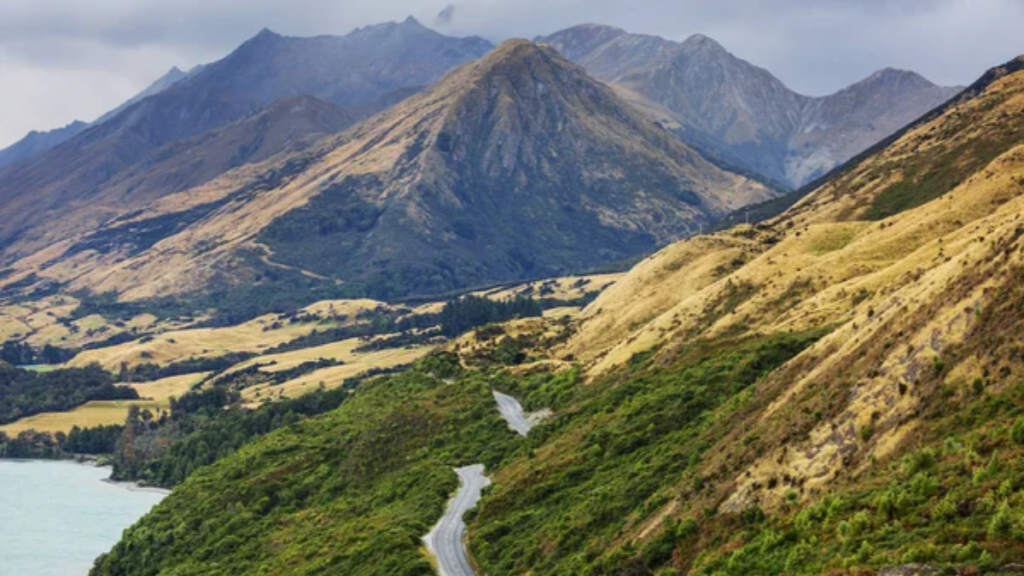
895, 78
410, 24
595, 27
706, 43
267, 33
512, 49
890, 73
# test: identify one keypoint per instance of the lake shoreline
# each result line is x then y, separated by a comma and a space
95, 462
138, 487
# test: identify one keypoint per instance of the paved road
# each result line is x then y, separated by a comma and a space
512, 411
445, 540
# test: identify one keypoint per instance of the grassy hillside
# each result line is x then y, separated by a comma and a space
348, 493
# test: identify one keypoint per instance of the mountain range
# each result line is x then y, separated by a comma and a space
231, 174
516, 166
741, 113
366, 70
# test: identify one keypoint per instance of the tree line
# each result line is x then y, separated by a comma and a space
26, 393
98, 441
469, 312
23, 354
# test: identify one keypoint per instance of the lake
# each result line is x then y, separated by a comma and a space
57, 517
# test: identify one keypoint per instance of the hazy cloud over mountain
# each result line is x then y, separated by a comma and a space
65, 59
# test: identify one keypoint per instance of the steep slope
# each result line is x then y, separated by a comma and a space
172, 77
916, 301
286, 126
743, 114
516, 166
356, 70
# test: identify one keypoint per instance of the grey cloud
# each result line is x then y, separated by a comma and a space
107, 49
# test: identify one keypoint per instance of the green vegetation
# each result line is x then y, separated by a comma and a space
613, 454
464, 314
97, 441
351, 492
202, 428
366, 324
254, 375
956, 504
22, 354
25, 393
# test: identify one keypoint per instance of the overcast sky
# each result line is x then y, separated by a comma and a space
62, 60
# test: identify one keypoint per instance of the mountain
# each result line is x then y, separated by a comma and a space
365, 69
516, 166
743, 114
286, 126
172, 77
36, 143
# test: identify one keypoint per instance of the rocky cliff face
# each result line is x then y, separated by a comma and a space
743, 114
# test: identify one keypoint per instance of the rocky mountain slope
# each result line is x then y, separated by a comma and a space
741, 113
516, 166
367, 69
172, 77
287, 126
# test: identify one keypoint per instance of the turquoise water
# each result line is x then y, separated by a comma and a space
57, 517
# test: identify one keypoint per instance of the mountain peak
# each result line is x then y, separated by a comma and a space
705, 43
266, 34
594, 27
514, 55
514, 46
889, 73
894, 77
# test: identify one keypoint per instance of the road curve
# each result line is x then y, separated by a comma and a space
512, 411
445, 540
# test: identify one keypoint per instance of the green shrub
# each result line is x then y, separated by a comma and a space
1001, 524
1017, 432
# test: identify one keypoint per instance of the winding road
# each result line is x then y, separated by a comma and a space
445, 540
512, 411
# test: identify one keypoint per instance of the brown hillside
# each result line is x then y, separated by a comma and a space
906, 255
